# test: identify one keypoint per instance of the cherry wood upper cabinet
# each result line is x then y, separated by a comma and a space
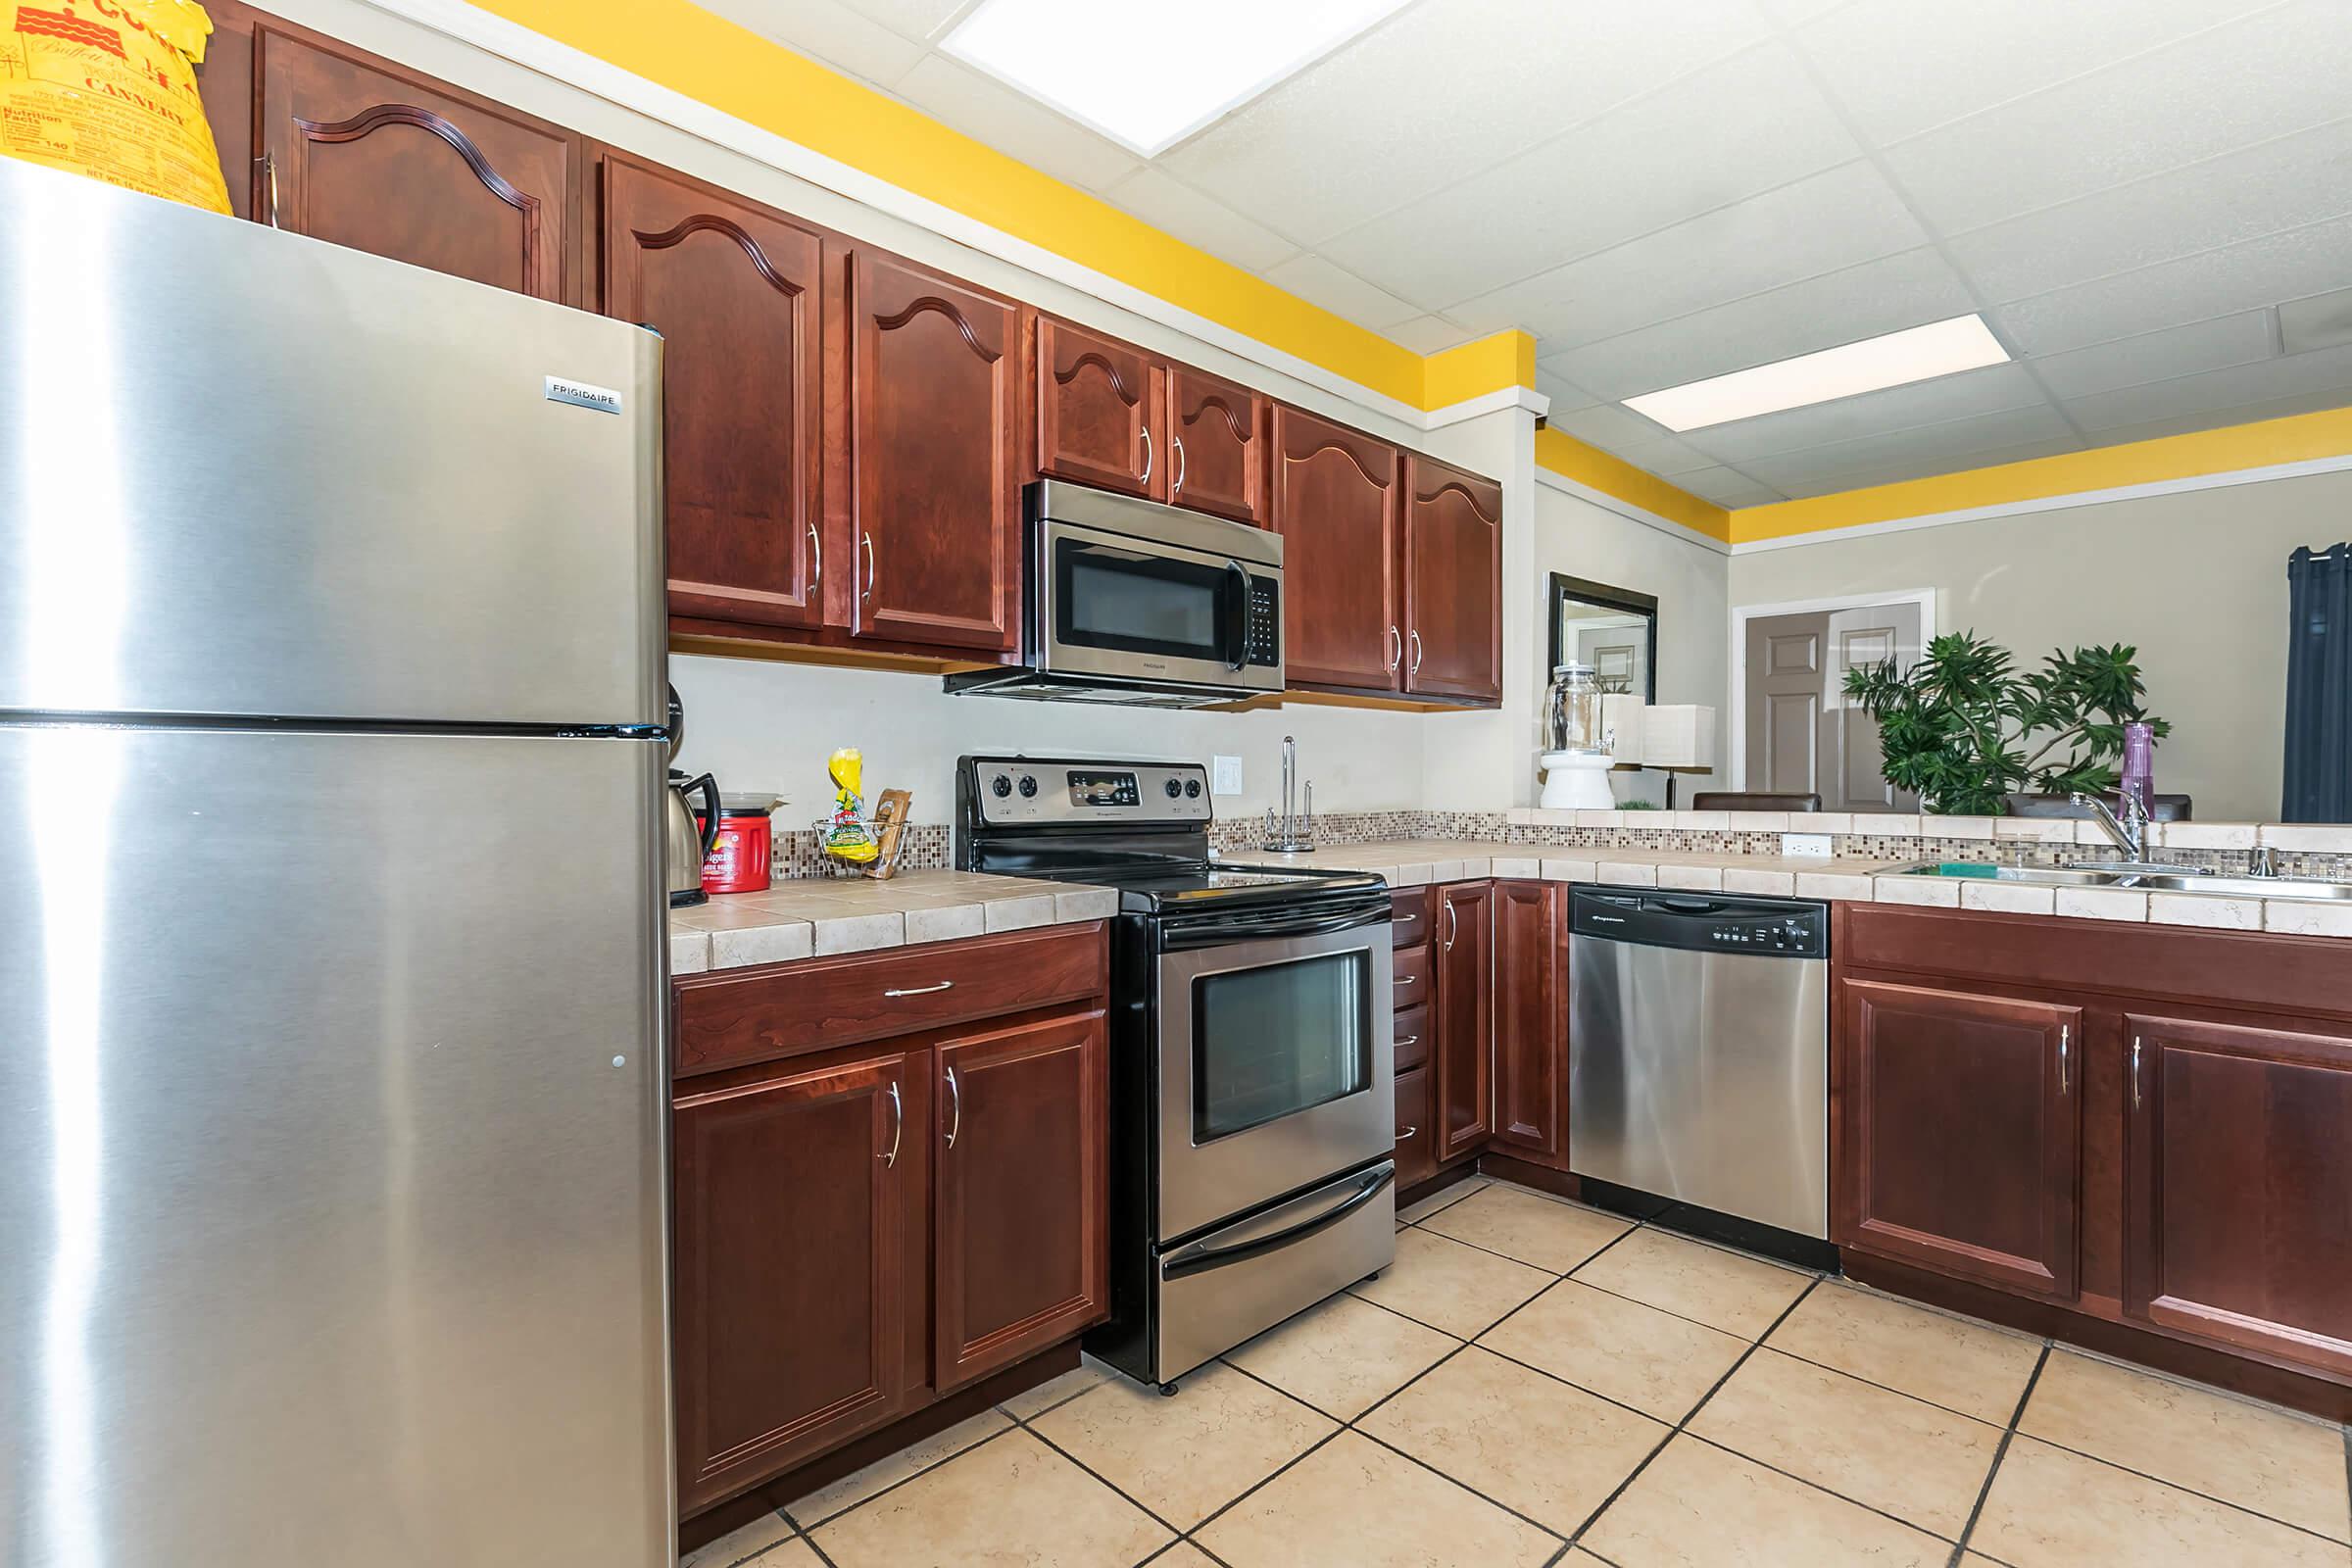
1336, 506
358, 151
1464, 1015
1023, 1160
800, 1206
1961, 1133
1531, 1020
734, 290
1452, 583
1101, 419
1216, 446
2237, 1222
928, 549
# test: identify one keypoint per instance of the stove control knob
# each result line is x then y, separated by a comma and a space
1000, 786
1173, 787
1028, 786
1191, 789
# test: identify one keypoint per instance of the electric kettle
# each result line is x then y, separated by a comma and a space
689, 843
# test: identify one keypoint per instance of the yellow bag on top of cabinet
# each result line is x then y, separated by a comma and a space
108, 89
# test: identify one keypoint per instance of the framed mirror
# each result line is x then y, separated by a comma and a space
1615, 630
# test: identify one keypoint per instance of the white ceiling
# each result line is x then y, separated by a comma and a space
2150, 201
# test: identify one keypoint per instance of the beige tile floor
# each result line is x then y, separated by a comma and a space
1538, 1383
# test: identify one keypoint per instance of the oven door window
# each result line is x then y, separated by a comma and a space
1272, 1042
1129, 602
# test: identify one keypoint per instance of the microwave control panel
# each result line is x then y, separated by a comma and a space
1263, 646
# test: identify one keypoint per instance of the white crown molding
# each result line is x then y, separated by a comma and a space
2062, 503
1626, 508
574, 68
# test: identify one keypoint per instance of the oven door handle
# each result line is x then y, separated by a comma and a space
1199, 1258
1210, 933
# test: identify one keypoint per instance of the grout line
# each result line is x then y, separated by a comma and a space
1912, 1525
1152, 1515
811, 1527
2000, 1454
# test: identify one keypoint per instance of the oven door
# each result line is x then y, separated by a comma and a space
1114, 605
1276, 1038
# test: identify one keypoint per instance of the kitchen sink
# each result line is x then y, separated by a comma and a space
2127, 876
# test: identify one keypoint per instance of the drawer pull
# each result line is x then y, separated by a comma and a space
1408, 1039
1409, 919
1408, 1132
920, 991
1408, 979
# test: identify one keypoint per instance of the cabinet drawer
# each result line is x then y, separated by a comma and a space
1412, 976
1415, 1134
1411, 907
1412, 1038
732, 1018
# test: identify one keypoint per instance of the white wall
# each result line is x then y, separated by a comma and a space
2195, 580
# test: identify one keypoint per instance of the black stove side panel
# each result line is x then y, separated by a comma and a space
1128, 1339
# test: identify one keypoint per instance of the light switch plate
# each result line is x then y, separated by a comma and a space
1806, 846
1225, 775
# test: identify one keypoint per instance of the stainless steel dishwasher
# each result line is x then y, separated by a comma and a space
1698, 1051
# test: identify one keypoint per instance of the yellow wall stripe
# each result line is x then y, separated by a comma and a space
1458, 374
2263, 444
1564, 455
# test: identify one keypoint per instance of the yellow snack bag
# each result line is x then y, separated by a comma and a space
108, 89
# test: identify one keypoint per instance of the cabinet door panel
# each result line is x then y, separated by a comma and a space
1336, 506
1452, 583
732, 287
799, 1273
1962, 1133
934, 519
1217, 451
1416, 1130
1464, 1017
1531, 1021
1098, 411
1023, 1183
362, 153
2238, 1196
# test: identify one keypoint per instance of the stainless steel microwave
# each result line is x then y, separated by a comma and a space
1132, 602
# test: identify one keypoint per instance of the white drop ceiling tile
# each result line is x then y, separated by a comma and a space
1168, 203
840, 35
2157, 356
1667, 457
1444, 88
2320, 321
1609, 428
1900, 408
2269, 74
1340, 292
1727, 487
1888, 295
1796, 13
2195, 289
1566, 397
1427, 334
1014, 124
1828, 481
2214, 420
1818, 225
2279, 185
1655, 162
913, 18
2293, 376
1905, 66
1920, 446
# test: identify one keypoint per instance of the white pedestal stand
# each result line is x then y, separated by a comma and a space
1577, 781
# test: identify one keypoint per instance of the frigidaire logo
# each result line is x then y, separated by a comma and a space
581, 394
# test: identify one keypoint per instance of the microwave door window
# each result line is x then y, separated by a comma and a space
1131, 603
1272, 1042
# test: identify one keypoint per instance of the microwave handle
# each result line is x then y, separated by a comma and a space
1240, 618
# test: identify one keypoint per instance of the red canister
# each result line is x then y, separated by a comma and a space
738, 862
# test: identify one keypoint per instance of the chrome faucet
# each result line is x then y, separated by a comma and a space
2131, 834
1296, 834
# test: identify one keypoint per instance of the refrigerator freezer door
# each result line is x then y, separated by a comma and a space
332, 1151
245, 473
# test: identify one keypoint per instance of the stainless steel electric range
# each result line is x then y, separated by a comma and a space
1252, 1036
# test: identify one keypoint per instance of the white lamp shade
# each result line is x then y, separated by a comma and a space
1621, 724
1678, 736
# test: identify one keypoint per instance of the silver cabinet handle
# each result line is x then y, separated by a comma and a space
1408, 980
816, 557
2136, 1099
270, 179
1178, 483
1409, 1040
1416, 669
898, 1124
1410, 919
919, 991
1399, 657
1144, 478
955, 1103
1453, 924
1407, 1132
867, 539
2065, 1034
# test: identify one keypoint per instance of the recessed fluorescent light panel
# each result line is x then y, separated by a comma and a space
1148, 72
1919, 353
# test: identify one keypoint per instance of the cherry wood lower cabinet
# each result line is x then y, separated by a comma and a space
1464, 1015
2237, 1206
1531, 1021
1023, 1160
1962, 1133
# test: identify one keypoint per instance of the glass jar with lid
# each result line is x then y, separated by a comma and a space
1572, 711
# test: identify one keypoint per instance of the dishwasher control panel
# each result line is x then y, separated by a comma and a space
1702, 923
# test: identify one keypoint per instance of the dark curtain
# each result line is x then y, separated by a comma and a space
2319, 686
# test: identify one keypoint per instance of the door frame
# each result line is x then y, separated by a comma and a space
1741, 615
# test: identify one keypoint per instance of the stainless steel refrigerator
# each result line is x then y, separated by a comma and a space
332, 1150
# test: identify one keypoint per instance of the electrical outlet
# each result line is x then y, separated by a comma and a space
1806, 846
1225, 775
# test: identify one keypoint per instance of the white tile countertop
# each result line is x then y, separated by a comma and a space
822, 915
1413, 862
